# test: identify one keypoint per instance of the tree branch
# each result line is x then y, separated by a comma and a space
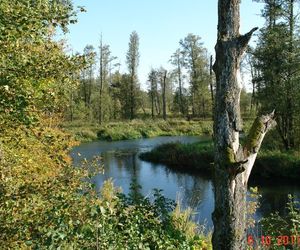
259, 128
244, 39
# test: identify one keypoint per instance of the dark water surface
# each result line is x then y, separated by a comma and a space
122, 164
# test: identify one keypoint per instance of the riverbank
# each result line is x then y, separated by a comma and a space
136, 129
199, 156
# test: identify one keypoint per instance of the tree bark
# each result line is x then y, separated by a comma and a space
164, 95
211, 80
132, 94
233, 162
152, 97
101, 81
290, 88
180, 87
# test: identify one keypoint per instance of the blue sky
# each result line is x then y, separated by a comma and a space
159, 23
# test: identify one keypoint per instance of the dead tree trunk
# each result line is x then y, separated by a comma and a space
164, 82
101, 81
211, 79
233, 162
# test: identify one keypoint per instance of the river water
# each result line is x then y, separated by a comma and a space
122, 164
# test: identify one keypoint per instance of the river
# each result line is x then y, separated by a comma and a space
122, 164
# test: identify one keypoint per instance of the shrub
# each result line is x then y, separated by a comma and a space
288, 225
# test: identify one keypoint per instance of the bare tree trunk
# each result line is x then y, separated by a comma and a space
180, 89
253, 86
158, 107
101, 81
193, 104
211, 79
132, 95
233, 162
164, 95
152, 79
290, 89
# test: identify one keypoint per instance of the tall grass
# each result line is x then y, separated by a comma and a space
136, 129
199, 156
194, 156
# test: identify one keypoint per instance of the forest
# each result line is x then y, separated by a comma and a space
52, 100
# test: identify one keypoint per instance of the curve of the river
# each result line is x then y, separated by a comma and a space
122, 164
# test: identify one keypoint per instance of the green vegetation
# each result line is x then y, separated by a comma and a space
274, 64
278, 164
44, 202
199, 156
45, 94
194, 156
112, 95
283, 229
135, 129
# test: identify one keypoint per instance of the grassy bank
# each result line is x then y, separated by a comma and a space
199, 157
136, 129
194, 156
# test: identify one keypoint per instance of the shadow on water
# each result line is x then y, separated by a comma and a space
122, 164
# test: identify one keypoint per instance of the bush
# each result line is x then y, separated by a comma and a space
288, 225
45, 204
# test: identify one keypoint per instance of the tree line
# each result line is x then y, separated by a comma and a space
274, 65
187, 90
105, 93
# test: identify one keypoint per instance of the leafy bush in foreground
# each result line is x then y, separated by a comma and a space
46, 205
284, 229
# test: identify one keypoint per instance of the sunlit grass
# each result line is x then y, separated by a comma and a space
135, 129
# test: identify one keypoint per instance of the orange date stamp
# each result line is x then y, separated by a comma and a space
280, 240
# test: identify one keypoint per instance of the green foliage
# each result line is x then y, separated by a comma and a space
196, 63
31, 63
279, 225
269, 163
44, 202
252, 206
111, 95
275, 163
276, 66
182, 221
183, 156
135, 129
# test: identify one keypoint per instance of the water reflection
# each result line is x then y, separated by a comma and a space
121, 163
274, 197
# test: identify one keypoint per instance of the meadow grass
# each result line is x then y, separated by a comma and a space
136, 129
